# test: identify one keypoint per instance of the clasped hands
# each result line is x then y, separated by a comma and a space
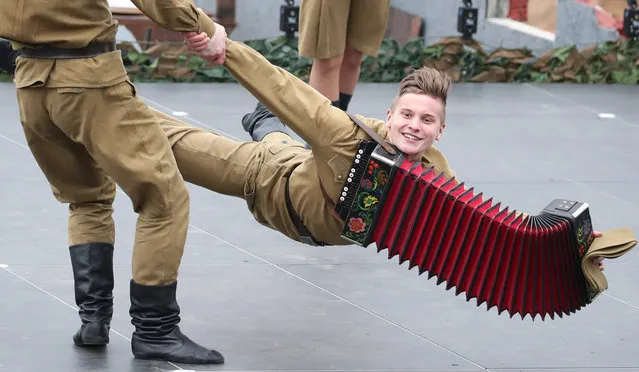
212, 49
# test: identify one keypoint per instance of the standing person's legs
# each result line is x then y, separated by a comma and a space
349, 75
366, 28
76, 179
125, 139
322, 35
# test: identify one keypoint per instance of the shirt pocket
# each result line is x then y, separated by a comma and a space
340, 168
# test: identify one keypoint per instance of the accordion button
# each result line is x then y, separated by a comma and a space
345, 188
352, 171
356, 161
342, 198
350, 179
343, 194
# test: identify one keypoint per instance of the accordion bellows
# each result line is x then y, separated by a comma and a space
518, 263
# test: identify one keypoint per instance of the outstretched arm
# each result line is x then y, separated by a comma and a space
296, 103
177, 15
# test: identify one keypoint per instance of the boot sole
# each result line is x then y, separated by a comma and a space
92, 342
165, 358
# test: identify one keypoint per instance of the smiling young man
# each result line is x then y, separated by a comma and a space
417, 117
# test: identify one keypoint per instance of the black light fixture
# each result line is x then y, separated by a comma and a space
467, 19
289, 18
631, 20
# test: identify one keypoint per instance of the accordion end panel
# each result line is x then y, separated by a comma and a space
521, 264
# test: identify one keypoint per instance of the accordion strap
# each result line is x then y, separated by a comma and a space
305, 235
373, 134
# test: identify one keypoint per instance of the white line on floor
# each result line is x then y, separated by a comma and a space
580, 105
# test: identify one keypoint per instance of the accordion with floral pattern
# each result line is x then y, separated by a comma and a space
522, 264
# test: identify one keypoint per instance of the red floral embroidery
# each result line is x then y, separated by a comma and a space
367, 184
356, 225
383, 178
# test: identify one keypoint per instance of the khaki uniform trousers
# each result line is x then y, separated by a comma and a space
254, 171
86, 140
258, 172
326, 26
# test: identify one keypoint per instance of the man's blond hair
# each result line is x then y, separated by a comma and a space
428, 81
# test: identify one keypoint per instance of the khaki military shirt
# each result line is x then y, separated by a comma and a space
75, 24
331, 133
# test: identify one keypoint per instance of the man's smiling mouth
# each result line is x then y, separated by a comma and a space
411, 137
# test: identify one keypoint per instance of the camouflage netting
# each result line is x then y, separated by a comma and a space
465, 60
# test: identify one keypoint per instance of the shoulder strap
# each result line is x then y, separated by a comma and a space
374, 135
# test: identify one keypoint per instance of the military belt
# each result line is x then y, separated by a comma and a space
305, 235
50, 52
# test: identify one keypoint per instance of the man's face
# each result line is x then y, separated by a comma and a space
415, 123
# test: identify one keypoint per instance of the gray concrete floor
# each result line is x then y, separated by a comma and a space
270, 304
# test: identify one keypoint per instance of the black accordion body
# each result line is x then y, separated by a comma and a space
522, 264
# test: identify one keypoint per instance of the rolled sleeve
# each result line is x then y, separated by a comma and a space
176, 15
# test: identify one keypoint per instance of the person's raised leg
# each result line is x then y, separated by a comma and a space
210, 160
253, 170
261, 122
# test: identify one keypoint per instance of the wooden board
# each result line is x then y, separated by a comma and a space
403, 26
543, 14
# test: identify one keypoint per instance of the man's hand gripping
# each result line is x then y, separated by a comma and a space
211, 49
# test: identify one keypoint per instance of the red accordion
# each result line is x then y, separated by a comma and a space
522, 264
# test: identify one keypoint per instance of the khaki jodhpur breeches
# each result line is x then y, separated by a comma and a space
86, 140
254, 171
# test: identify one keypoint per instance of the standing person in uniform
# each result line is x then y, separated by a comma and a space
88, 130
336, 35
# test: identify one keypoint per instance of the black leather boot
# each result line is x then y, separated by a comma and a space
155, 315
261, 122
92, 265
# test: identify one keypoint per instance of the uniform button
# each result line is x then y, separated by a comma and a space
339, 177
